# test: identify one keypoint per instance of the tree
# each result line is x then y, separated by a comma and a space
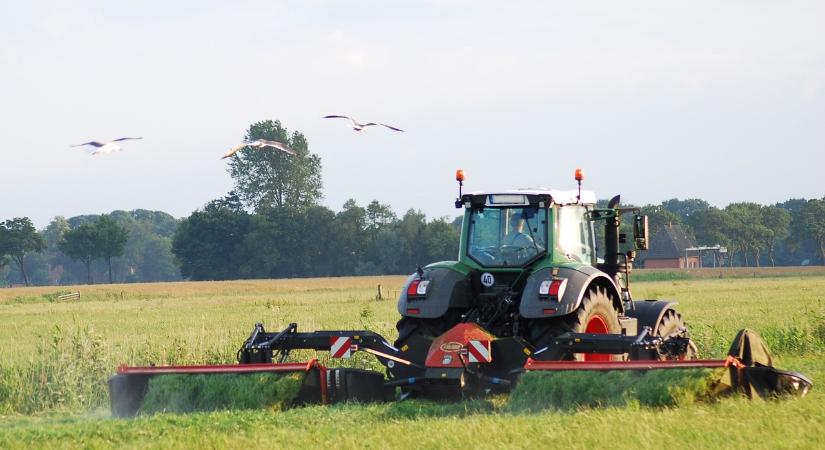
111, 240
379, 215
157, 263
685, 208
18, 238
712, 227
411, 228
441, 240
268, 178
80, 244
748, 232
658, 217
813, 221
350, 242
205, 244
776, 221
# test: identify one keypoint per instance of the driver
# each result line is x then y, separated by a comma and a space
516, 237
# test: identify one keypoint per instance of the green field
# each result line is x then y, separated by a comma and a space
55, 357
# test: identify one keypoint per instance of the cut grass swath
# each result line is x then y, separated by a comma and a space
190, 393
537, 391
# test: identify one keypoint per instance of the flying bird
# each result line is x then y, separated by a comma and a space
103, 148
360, 126
260, 143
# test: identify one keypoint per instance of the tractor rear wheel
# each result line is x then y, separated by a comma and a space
672, 323
431, 328
410, 328
594, 315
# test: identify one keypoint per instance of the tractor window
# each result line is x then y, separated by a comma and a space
575, 233
507, 237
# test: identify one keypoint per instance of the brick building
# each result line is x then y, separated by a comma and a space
667, 249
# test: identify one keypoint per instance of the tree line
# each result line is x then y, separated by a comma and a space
789, 233
123, 246
272, 225
223, 241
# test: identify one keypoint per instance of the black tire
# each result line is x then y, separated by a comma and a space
596, 306
431, 328
672, 323
411, 327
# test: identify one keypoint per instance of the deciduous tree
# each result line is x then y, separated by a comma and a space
111, 240
269, 178
776, 221
18, 237
813, 218
205, 243
81, 244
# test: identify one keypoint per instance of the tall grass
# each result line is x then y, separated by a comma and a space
66, 373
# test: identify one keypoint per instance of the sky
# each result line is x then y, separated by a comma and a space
719, 100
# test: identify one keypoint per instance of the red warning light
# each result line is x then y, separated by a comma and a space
579, 175
459, 175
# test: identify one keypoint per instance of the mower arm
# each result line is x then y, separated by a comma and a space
263, 346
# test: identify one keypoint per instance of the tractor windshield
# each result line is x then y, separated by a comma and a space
507, 236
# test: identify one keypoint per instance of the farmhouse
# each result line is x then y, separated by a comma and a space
667, 249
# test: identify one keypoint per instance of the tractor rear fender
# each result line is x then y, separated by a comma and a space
579, 281
446, 288
649, 313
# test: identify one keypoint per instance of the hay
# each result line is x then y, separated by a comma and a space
538, 391
189, 393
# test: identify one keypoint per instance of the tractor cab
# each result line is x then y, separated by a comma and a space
518, 228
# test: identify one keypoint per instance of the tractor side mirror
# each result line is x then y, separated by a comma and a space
640, 232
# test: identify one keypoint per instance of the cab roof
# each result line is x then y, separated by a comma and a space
511, 196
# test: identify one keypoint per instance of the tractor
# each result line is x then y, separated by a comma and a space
529, 267
531, 290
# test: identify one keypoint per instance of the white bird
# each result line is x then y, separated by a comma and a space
103, 148
360, 126
260, 143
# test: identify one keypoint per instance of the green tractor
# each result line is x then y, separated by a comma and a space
529, 267
528, 293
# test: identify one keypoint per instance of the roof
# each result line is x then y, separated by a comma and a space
559, 197
669, 242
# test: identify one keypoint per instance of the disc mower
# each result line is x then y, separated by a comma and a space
531, 291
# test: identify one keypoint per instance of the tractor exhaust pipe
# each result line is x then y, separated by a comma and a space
611, 239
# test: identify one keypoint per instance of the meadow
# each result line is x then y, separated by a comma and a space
56, 355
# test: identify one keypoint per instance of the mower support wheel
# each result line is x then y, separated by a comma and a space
670, 323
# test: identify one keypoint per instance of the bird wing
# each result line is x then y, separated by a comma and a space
233, 150
126, 139
390, 127
92, 143
337, 117
275, 144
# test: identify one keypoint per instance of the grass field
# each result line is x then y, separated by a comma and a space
55, 357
